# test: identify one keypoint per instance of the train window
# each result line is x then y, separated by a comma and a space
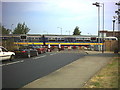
23, 37
49, 38
58, 38
113, 39
93, 38
52, 40
36, 38
87, 40
32, 38
82, 38
55, 38
62, 40
106, 38
79, 40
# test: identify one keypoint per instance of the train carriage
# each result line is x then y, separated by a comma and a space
55, 40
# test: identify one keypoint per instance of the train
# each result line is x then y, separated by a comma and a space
55, 40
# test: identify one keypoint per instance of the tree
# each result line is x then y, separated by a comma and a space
3, 30
76, 31
21, 29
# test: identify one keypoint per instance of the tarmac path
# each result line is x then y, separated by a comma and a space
75, 74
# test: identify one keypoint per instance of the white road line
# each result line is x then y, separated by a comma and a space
43, 56
36, 57
12, 63
53, 53
2, 65
39, 57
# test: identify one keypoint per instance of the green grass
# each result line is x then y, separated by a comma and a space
107, 77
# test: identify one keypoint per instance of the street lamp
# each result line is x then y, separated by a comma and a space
45, 32
11, 28
98, 5
68, 32
60, 29
118, 15
89, 34
113, 26
114, 19
103, 30
118, 3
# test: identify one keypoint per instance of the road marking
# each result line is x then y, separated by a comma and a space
15, 62
2, 65
39, 57
53, 53
43, 56
36, 58
12, 63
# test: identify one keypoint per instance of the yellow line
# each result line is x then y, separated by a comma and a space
60, 43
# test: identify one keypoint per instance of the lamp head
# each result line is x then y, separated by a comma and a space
97, 4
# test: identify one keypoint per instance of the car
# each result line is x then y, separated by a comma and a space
26, 51
5, 54
40, 49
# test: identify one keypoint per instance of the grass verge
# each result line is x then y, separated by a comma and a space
108, 77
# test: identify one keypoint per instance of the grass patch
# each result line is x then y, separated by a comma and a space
108, 77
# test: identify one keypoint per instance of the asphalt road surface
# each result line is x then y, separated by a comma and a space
25, 70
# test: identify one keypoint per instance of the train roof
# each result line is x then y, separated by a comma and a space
50, 35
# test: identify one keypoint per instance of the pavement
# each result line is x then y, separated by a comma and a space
75, 74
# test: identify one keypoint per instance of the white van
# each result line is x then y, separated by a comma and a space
5, 54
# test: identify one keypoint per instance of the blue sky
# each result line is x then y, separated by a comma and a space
44, 16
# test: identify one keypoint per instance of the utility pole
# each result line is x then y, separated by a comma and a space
11, 29
60, 29
98, 5
68, 32
103, 30
118, 13
113, 27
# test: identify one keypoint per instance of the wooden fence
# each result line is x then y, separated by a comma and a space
110, 45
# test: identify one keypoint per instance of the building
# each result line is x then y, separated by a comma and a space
112, 45
110, 33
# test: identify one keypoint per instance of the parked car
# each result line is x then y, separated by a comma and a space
40, 49
5, 54
26, 51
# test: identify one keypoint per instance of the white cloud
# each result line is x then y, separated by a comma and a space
69, 6
68, 13
57, 0
61, 6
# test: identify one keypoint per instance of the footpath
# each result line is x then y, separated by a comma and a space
75, 74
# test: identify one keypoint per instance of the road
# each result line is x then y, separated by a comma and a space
25, 70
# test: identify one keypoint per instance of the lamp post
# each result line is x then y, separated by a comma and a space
68, 31
118, 15
60, 29
98, 5
103, 30
113, 27
45, 32
89, 34
11, 28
